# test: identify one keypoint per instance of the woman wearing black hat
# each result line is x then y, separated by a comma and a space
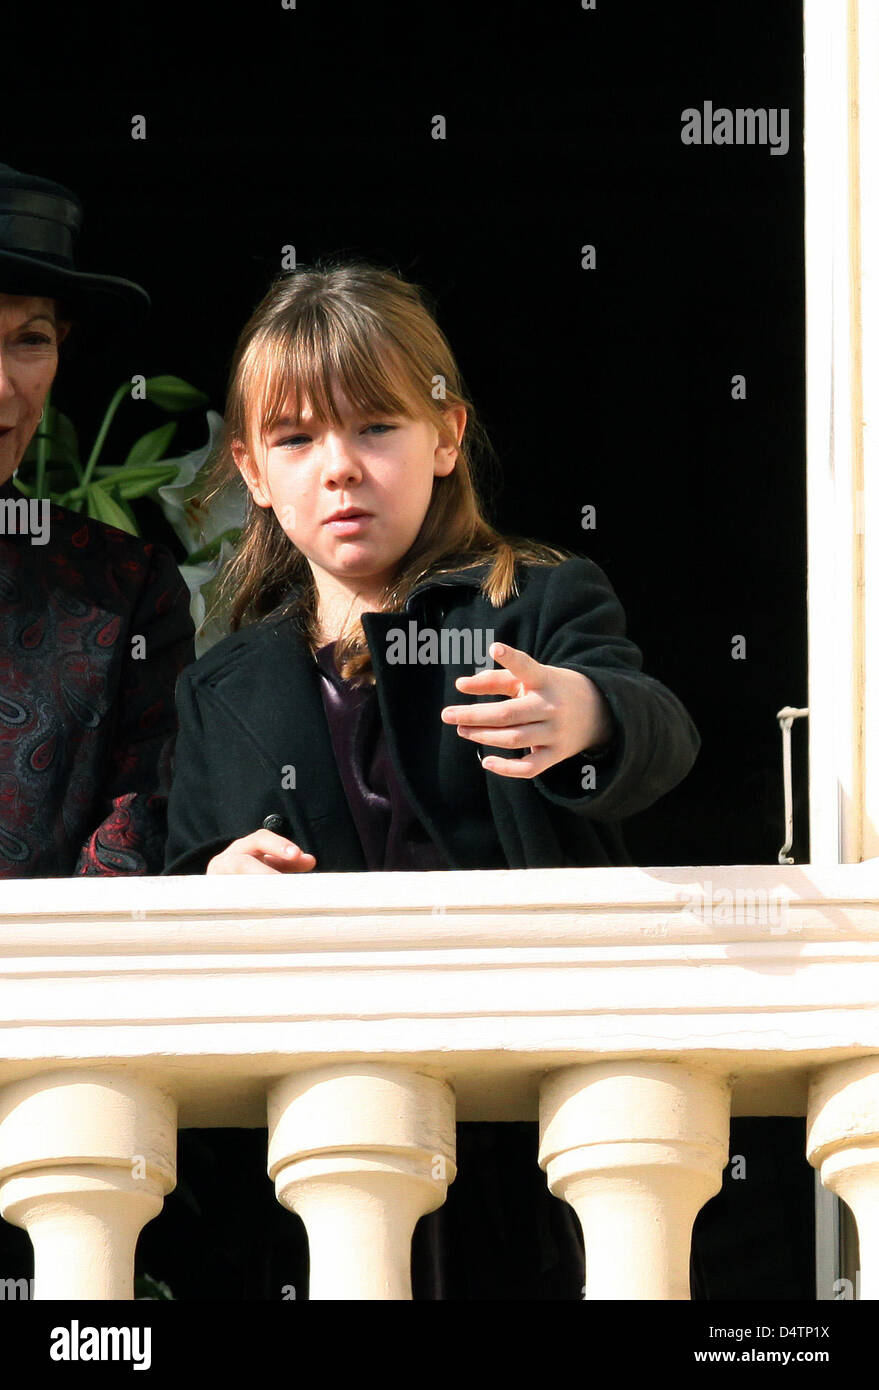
87, 712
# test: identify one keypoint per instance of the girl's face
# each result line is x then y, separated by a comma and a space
380, 467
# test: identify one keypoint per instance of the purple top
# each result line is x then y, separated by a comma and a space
391, 834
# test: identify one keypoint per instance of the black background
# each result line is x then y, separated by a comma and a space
311, 127
269, 127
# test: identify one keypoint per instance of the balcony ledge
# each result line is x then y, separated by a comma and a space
214, 988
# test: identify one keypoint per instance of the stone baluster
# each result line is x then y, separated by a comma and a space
842, 1142
86, 1157
637, 1148
360, 1151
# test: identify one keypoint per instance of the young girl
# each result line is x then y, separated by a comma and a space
353, 719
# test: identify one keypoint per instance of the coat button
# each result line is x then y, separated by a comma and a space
276, 823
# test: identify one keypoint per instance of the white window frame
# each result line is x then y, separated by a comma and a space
841, 144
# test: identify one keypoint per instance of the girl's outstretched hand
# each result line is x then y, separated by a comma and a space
262, 852
551, 710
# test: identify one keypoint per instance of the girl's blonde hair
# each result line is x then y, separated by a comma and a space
375, 333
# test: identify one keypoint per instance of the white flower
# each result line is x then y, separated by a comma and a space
197, 526
201, 581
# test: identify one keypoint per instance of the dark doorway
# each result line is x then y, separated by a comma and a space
612, 387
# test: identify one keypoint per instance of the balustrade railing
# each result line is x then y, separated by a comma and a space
357, 1016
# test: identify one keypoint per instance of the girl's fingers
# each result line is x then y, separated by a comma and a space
522, 664
251, 864
299, 863
261, 862
536, 762
525, 709
523, 736
266, 842
239, 864
262, 852
489, 682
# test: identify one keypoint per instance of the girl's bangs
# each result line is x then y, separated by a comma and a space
292, 369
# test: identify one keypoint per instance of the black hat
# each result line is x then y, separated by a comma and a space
39, 220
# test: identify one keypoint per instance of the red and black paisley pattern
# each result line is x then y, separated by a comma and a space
86, 722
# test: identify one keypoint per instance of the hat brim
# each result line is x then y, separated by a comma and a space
99, 299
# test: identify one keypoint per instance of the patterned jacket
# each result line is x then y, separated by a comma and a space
94, 630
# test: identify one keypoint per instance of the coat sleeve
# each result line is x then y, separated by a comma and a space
132, 804
193, 831
582, 626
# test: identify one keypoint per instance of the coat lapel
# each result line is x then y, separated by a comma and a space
284, 716
417, 743
277, 698
409, 700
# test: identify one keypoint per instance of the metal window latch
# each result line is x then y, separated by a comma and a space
785, 719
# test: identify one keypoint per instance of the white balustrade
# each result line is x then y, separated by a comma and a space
637, 1149
843, 1144
634, 1009
361, 1152
85, 1160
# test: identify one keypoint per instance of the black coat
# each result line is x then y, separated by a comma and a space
253, 739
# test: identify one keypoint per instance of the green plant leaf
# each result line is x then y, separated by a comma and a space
146, 1287
138, 482
57, 482
151, 446
174, 394
126, 507
62, 445
102, 506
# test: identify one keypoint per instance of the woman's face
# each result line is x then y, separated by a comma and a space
383, 465
29, 338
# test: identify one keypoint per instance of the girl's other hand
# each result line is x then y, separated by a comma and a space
263, 852
552, 711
